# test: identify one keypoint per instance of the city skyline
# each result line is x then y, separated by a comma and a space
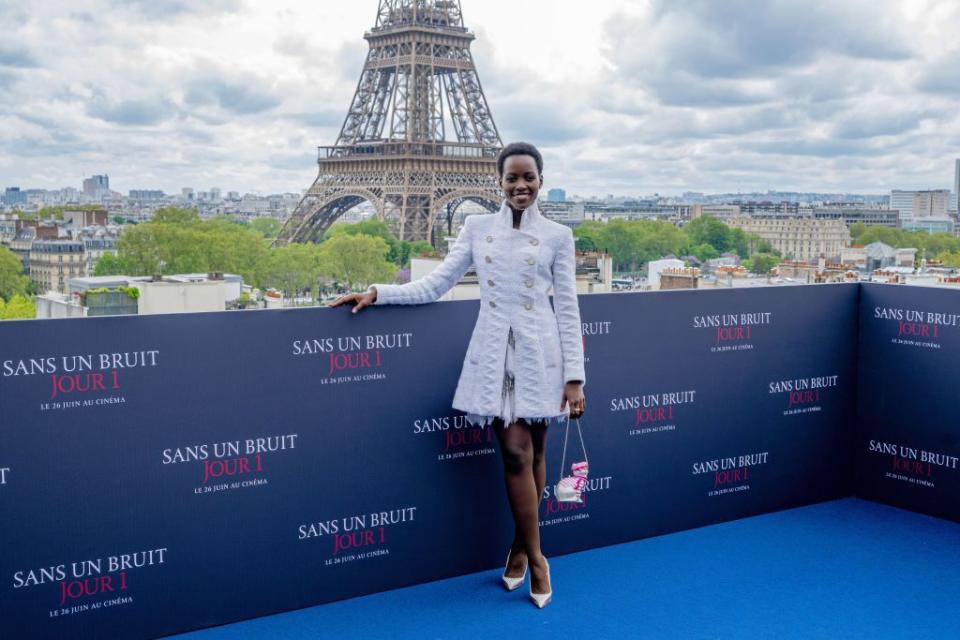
624, 97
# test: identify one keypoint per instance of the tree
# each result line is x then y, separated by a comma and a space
232, 248
588, 236
705, 252
376, 228
762, 262
630, 243
759, 245
12, 280
712, 231
18, 307
741, 241
293, 268
401, 253
356, 260
267, 227
175, 215
369, 227
659, 239
950, 259
138, 250
929, 244
937, 243
108, 265
177, 241
118, 220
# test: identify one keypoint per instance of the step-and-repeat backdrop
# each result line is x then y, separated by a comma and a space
166, 473
908, 431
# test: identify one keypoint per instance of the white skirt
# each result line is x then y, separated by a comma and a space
508, 397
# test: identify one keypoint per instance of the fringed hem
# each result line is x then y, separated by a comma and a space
477, 420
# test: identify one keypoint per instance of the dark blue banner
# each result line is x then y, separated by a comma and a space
908, 442
166, 473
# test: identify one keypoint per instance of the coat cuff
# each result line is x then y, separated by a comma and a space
383, 293
575, 376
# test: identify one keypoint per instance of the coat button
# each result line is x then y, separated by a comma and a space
527, 306
534, 242
488, 258
530, 261
490, 282
489, 238
529, 283
493, 304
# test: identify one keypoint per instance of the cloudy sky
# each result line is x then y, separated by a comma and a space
624, 96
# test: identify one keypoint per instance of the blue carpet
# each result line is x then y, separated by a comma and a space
843, 569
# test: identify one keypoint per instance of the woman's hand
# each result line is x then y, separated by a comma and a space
359, 300
573, 395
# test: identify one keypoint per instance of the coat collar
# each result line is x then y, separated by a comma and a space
529, 221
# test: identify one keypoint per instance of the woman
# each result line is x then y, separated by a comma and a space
524, 363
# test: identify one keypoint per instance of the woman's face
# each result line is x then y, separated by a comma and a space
520, 181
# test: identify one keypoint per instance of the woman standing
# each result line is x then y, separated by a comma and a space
524, 363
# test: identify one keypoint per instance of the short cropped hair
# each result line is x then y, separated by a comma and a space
519, 149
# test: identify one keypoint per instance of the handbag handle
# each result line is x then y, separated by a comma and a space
563, 459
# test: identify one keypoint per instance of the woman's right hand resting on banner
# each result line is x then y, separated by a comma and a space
359, 300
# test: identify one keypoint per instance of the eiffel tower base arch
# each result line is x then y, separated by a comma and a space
421, 209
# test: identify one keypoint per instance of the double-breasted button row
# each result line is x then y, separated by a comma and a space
531, 261
493, 304
528, 282
489, 238
527, 306
534, 241
490, 282
488, 258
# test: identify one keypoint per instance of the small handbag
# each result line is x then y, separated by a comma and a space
570, 488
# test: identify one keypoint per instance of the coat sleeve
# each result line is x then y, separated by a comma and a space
436, 283
566, 307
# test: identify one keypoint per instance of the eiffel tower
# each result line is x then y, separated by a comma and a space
418, 85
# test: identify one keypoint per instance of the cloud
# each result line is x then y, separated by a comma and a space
942, 76
744, 38
12, 55
134, 112
540, 122
683, 89
867, 124
232, 91
827, 147
715, 54
322, 117
159, 9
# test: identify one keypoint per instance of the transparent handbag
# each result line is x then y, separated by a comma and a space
570, 488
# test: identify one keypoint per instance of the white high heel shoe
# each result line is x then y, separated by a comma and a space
513, 583
542, 599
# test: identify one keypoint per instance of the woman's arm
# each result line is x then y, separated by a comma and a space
567, 309
431, 287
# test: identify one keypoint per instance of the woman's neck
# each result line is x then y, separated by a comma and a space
517, 217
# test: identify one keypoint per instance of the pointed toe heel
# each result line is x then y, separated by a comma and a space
542, 599
513, 584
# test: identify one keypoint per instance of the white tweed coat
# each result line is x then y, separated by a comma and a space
517, 269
